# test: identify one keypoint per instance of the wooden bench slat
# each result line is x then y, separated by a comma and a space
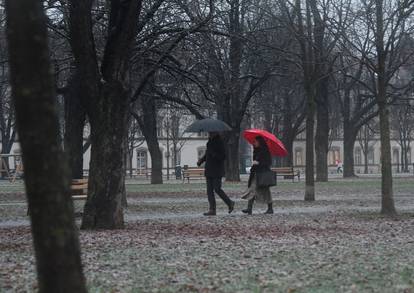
79, 187
79, 181
79, 196
287, 171
192, 173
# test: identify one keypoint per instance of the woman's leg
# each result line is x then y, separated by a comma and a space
269, 208
249, 207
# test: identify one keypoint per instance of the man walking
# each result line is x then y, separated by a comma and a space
214, 171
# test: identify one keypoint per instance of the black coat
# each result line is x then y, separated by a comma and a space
214, 158
262, 155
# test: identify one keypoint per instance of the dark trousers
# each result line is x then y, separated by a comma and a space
214, 185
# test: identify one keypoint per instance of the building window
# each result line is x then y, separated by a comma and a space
298, 157
142, 160
370, 156
395, 156
334, 156
358, 156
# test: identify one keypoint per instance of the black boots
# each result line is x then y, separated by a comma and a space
249, 207
231, 206
210, 213
269, 209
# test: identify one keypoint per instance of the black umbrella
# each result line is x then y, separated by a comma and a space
208, 125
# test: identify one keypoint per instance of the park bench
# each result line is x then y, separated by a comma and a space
79, 189
193, 173
287, 172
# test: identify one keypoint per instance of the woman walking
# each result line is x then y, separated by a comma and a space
262, 161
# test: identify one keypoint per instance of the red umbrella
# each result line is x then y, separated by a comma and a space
276, 147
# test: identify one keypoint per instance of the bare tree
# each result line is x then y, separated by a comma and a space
134, 141
104, 82
7, 117
146, 115
402, 125
53, 227
308, 30
357, 104
366, 138
384, 25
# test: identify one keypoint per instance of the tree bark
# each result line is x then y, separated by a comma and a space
232, 155
322, 140
103, 208
366, 159
107, 106
75, 116
55, 239
349, 142
288, 140
148, 125
309, 170
387, 203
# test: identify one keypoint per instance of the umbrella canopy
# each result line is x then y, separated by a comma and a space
208, 125
276, 147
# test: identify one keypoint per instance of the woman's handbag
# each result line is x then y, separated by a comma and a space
266, 178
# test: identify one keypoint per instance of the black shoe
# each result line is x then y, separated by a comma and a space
247, 211
269, 209
231, 206
210, 213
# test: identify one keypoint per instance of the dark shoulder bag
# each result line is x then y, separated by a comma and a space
266, 178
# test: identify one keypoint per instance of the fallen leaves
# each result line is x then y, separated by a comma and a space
327, 246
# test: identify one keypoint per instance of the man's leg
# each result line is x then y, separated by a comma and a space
220, 192
210, 194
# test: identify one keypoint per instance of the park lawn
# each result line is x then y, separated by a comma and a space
339, 243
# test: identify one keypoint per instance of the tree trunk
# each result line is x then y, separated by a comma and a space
408, 148
387, 203
322, 141
103, 208
243, 155
349, 142
366, 162
309, 170
55, 237
288, 142
406, 162
232, 155
75, 116
156, 161
148, 125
